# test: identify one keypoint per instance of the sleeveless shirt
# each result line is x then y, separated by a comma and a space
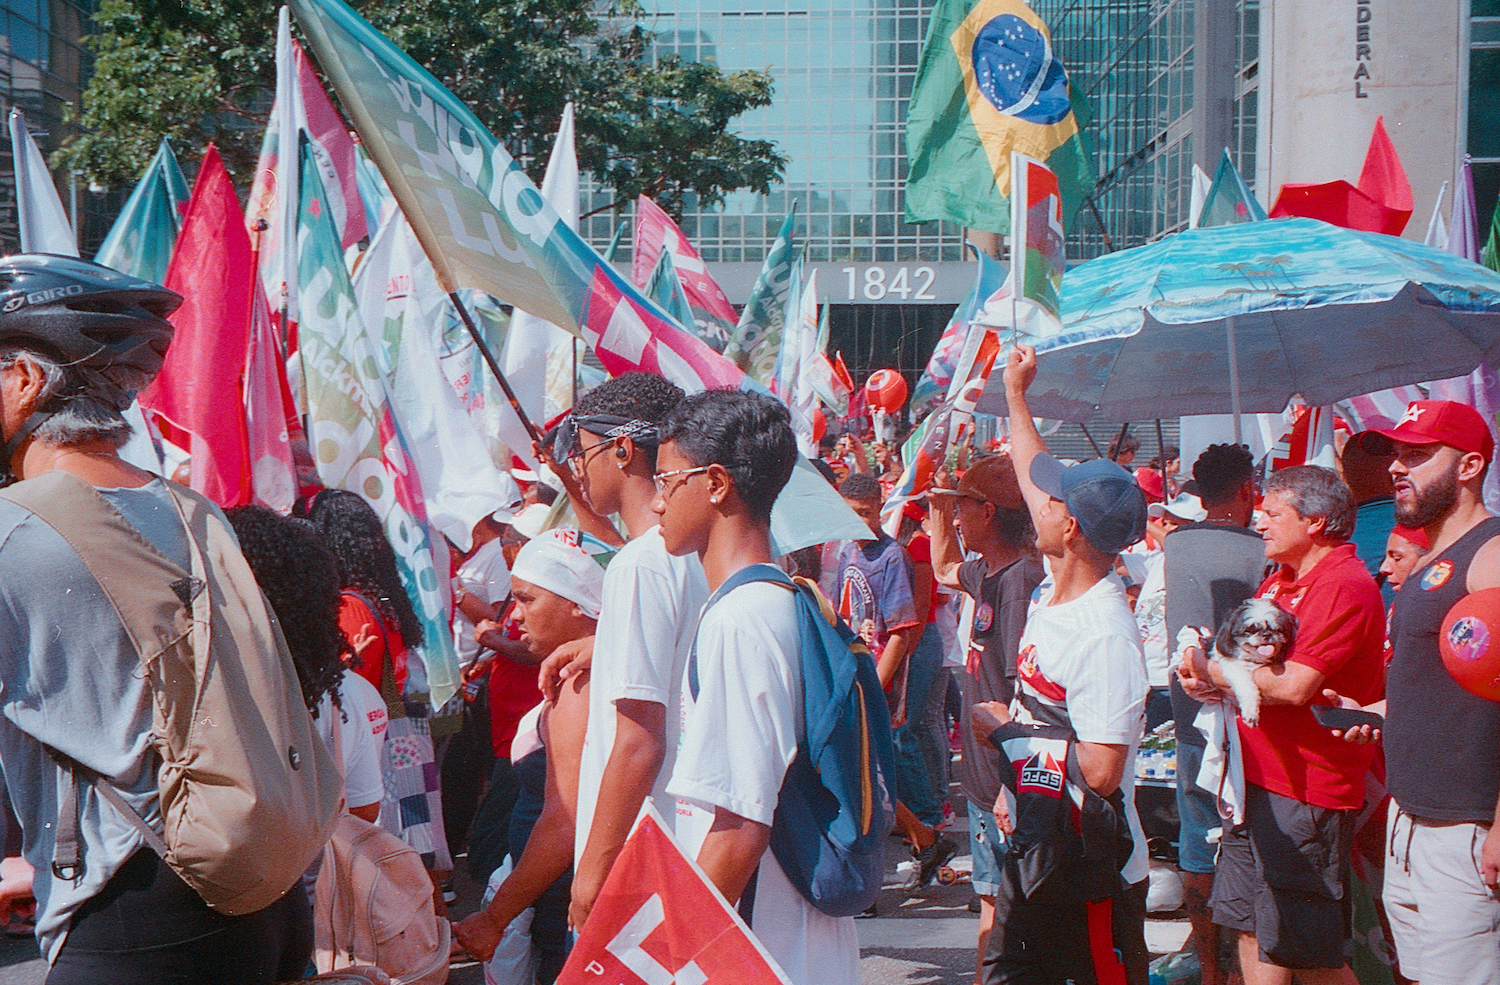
1442, 743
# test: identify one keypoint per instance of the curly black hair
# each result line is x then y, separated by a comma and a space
642, 396
366, 560
1221, 470
300, 579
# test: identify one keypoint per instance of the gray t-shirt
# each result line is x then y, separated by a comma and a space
70, 680
1210, 569
1000, 603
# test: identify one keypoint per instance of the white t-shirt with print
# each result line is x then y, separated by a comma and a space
1084, 658
485, 576
1151, 619
649, 611
362, 727
738, 738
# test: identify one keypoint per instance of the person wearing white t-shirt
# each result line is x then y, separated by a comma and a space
1081, 666
724, 458
361, 718
650, 607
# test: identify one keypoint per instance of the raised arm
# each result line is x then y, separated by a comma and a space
1025, 440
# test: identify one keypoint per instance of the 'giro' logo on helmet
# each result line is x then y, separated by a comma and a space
15, 302
52, 294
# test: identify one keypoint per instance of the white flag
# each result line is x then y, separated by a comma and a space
405, 310
531, 344
1201, 184
44, 224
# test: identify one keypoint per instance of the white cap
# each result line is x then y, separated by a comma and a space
566, 562
529, 520
1185, 507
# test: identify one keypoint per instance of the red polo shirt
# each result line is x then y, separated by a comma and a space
1340, 634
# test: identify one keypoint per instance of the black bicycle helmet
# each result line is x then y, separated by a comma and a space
84, 314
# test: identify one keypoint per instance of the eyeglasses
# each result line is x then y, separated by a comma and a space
661, 477
579, 457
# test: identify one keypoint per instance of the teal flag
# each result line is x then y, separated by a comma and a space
665, 288
1229, 199
140, 242
989, 83
768, 360
357, 442
764, 310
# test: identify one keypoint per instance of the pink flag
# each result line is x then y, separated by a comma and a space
654, 232
334, 151
273, 477
197, 397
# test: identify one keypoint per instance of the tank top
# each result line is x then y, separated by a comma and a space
1442, 744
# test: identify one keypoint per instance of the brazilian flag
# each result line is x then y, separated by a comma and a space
989, 83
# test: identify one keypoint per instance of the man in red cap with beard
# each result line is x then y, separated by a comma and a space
1442, 743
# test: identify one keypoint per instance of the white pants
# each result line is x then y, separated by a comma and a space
1445, 920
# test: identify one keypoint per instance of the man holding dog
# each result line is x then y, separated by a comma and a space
1282, 875
1442, 743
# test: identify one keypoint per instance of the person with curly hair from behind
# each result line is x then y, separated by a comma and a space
300, 578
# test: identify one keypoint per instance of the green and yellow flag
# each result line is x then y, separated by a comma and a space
989, 84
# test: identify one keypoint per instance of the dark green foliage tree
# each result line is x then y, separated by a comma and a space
201, 70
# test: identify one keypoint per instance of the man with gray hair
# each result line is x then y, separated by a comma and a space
1282, 875
78, 744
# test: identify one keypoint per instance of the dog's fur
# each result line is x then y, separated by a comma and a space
1257, 634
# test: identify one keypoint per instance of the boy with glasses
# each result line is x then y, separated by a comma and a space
724, 458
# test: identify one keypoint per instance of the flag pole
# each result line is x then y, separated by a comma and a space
489, 359
1161, 462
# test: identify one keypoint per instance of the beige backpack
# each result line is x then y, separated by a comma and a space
373, 903
248, 790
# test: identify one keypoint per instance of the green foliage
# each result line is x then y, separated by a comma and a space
201, 70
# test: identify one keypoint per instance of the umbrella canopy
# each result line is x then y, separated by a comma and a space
1311, 309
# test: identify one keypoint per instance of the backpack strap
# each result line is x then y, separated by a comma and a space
158, 604
752, 573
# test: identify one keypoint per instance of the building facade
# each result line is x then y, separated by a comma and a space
843, 72
43, 69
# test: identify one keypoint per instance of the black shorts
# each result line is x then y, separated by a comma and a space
1283, 876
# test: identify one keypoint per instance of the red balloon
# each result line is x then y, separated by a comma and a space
1470, 643
820, 424
886, 389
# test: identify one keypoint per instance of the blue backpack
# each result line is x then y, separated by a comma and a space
836, 804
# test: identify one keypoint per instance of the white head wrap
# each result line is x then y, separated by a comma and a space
568, 563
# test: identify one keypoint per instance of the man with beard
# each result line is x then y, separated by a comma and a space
1442, 744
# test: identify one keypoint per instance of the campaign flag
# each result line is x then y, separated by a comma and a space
989, 84
794, 372
405, 311
823, 375
765, 358
927, 449
141, 240
713, 316
301, 107
534, 348
1030, 300
665, 288
989, 277
1229, 199
197, 398
268, 408
658, 920
356, 438
1437, 229
1381, 203
39, 212
484, 225
762, 314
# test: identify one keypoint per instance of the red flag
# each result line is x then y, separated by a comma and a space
654, 232
658, 920
1381, 204
198, 395
335, 150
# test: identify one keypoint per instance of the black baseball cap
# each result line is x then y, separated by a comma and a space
1100, 495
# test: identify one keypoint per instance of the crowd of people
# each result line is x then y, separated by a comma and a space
626, 640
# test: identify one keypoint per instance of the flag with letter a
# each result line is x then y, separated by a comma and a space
659, 921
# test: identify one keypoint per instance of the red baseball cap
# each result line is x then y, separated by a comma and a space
1435, 422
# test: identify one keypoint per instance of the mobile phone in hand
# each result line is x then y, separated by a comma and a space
1345, 718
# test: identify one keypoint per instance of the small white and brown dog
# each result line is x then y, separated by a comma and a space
1257, 634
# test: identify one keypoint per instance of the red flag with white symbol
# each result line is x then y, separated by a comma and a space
659, 921
714, 319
